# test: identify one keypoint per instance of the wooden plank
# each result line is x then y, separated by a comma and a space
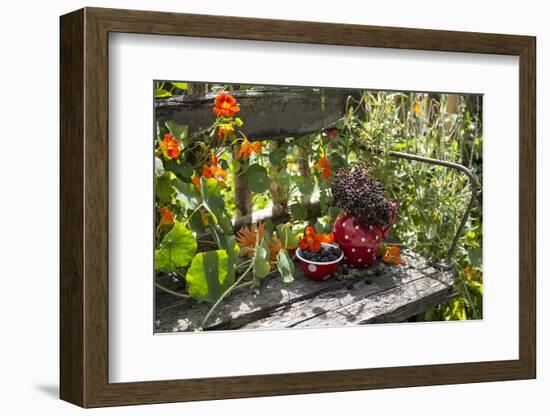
391, 305
273, 113
245, 306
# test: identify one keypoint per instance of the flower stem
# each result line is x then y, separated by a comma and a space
181, 295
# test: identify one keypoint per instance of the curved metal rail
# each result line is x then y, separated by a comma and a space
474, 184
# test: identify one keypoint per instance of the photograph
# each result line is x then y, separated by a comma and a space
280, 207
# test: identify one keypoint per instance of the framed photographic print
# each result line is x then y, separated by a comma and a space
279, 207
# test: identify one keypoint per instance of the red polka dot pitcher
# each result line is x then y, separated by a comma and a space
359, 242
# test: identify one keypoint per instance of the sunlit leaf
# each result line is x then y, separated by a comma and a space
208, 277
180, 85
285, 266
176, 249
162, 93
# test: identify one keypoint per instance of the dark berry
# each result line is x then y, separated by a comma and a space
368, 281
378, 272
349, 285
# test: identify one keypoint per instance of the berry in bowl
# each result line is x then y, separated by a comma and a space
318, 257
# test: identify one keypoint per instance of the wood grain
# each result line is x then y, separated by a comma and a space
275, 113
400, 292
84, 207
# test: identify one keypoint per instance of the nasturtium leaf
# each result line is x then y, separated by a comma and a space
277, 156
287, 237
212, 201
180, 85
208, 277
162, 93
257, 178
178, 130
218, 235
180, 168
232, 251
305, 185
285, 266
260, 261
159, 167
164, 189
195, 222
176, 249
298, 212
283, 179
187, 194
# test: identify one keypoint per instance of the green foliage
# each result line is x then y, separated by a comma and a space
208, 277
285, 266
261, 260
287, 237
257, 178
431, 199
176, 249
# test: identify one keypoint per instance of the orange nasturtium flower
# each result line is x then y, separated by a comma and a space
312, 241
166, 217
247, 148
171, 146
225, 105
392, 255
323, 167
214, 171
225, 130
417, 109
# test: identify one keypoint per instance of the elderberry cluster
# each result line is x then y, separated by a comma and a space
361, 196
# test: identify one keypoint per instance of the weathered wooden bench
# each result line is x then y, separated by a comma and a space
399, 293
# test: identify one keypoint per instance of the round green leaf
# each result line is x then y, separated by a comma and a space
298, 212
277, 156
176, 249
257, 178
305, 185
283, 179
208, 277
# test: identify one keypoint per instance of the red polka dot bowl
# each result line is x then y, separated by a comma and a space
360, 243
315, 270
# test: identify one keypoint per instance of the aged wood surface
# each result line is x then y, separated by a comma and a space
273, 113
398, 293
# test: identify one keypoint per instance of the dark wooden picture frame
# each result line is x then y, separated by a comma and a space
84, 207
